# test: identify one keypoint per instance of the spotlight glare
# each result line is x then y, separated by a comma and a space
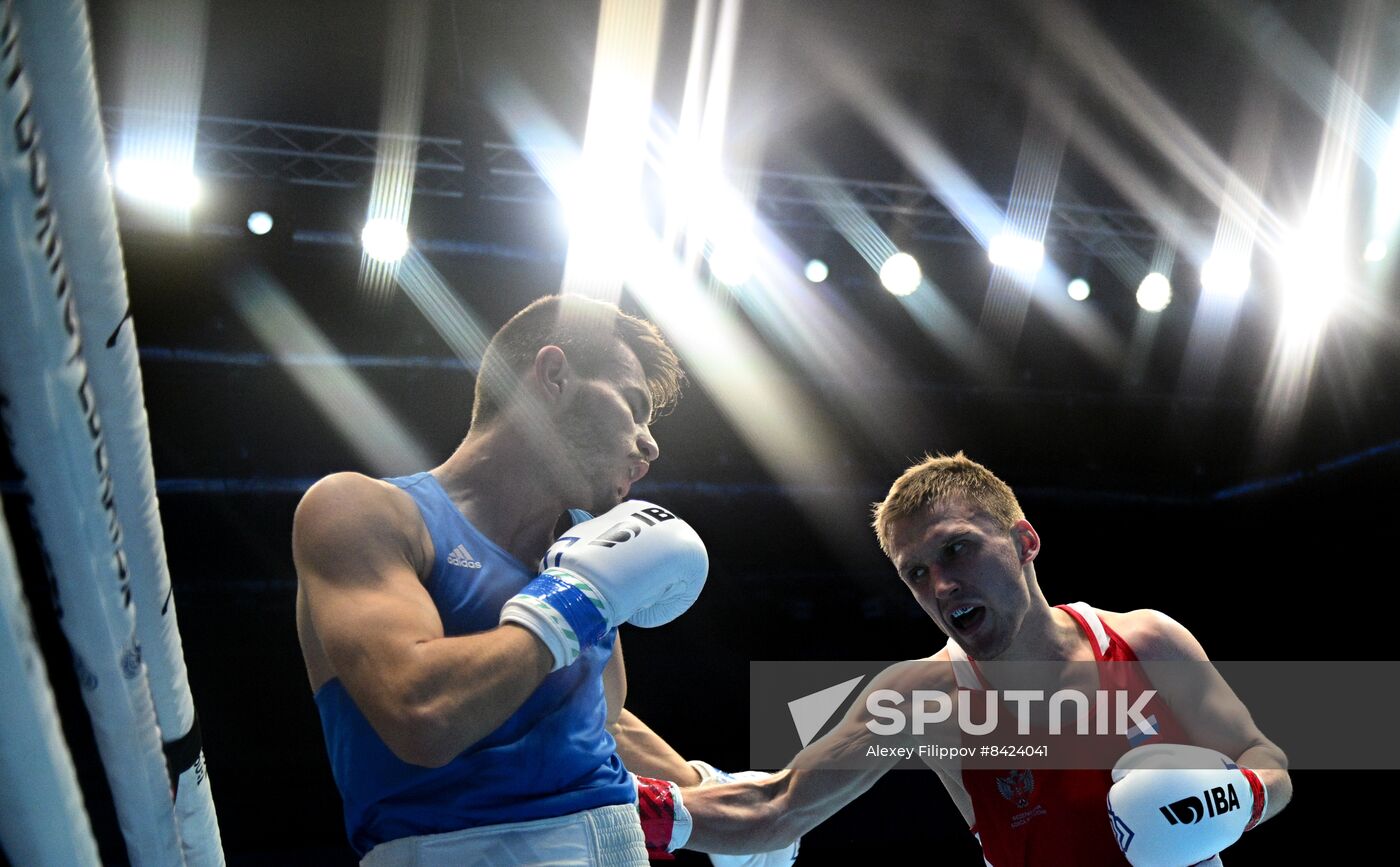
1315, 278
1225, 275
158, 183
260, 222
592, 210
384, 240
1376, 250
1078, 289
901, 274
1020, 255
1154, 293
730, 266
816, 271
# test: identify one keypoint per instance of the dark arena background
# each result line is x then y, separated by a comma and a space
1220, 442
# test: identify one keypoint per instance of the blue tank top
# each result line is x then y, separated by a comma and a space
552, 757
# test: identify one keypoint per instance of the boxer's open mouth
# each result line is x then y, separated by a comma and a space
967, 618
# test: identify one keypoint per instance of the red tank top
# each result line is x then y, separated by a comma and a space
1051, 816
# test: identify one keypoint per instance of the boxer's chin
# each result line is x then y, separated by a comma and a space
604, 499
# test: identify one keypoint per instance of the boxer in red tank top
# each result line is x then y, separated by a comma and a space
964, 549
1053, 816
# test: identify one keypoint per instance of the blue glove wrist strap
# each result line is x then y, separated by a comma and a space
583, 614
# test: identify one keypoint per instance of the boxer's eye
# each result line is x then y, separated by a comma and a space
641, 414
916, 575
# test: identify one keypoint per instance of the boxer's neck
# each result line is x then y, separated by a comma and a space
497, 484
1046, 634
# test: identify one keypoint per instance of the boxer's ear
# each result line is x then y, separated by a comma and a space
1027, 540
551, 377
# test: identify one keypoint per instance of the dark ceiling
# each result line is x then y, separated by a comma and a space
963, 73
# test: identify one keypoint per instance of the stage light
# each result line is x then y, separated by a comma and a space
1078, 289
1154, 293
1225, 275
158, 183
816, 271
260, 222
384, 240
1314, 280
901, 274
731, 265
1020, 255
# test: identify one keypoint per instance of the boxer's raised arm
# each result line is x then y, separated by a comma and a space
359, 558
354, 541
1206, 706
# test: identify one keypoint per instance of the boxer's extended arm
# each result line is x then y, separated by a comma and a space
642, 750
427, 696
771, 813
768, 814
1206, 706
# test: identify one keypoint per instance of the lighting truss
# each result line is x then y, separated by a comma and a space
785, 199
294, 153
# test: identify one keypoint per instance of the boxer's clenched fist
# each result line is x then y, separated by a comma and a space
637, 563
1173, 805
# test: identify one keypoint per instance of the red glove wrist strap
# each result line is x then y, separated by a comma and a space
1256, 788
656, 808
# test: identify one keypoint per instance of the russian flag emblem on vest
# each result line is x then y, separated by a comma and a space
1137, 737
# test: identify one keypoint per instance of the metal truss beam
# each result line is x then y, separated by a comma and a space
293, 153
788, 199
334, 157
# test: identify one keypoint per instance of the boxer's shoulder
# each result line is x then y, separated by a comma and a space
349, 512
1152, 634
353, 494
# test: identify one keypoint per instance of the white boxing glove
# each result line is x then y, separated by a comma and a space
784, 857
637, 563
1172, 804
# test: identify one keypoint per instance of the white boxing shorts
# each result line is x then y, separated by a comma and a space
604, 836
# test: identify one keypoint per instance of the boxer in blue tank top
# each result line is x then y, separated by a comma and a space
436, 718
563, 719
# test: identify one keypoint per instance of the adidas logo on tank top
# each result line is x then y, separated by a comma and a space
463, 558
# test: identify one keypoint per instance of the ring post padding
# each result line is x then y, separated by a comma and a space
56, 43
42, 819
56, 436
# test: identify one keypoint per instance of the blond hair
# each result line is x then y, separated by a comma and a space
938, 478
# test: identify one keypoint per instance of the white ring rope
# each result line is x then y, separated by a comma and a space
68, 369
56, 439
38, 786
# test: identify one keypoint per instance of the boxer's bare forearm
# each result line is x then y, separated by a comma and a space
760, 816
739, 818
768, 814
467, 686
647, 754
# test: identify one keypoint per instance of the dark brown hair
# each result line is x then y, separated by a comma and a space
590, 332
